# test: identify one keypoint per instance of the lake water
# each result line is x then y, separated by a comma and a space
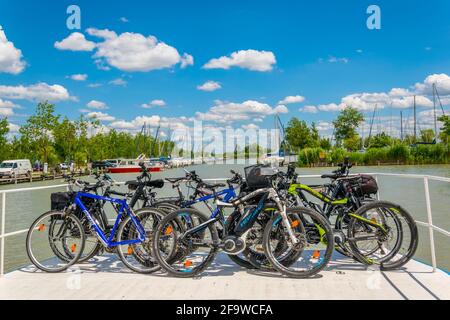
22, 208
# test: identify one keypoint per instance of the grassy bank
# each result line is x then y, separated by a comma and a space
400, 153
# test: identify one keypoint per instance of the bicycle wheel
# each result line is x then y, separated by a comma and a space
166, 206
341, 227
138, 256
92, 245
182, 253
314, 248
253, 236
390, 249
50, 236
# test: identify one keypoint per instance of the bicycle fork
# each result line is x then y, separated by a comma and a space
282, 209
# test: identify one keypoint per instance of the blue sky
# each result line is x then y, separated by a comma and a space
318, 52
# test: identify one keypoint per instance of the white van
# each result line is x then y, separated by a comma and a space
15, 168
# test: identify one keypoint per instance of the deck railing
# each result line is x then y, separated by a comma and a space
429, 224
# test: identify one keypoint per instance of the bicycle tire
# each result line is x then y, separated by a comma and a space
32, 229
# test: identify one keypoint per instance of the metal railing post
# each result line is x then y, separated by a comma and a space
430, 223
378, 192
2, 245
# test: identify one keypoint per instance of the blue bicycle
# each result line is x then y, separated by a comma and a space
56, 239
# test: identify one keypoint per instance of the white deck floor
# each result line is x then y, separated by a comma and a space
343, 279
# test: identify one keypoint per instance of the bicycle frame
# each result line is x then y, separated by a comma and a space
123, 208
227, 194
328, 201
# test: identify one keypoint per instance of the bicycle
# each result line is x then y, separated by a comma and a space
63, 225
200, 242
369, 230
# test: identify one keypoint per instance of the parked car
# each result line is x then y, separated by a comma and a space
102, 165
15, 168
64, 166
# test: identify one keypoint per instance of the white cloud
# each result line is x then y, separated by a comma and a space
154, 103
135, 52
209, 86
333, 59
153, 121
10, 57
123, 19
13, 128
78, 77
37, 92
292, 99
118, 82
247, 59
6, 112
100, 116
94, 85
400, 98
75, 42
186, 60
94, 104
6, 108
399, 92
280, 109
7, 104
250, 126
324, 126
308, 109
223, 112
442, 82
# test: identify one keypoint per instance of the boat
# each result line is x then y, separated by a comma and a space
133, 166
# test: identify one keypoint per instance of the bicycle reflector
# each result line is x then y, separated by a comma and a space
316, 254
168, 230
130, 250
187, 263
295, 223
74, 247
41, 227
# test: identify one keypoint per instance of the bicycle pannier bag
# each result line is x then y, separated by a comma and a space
60, 200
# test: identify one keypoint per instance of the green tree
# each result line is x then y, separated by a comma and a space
352, 143
445, 130
65, 139
298, 134
380, 140
4, 130
39, 128
427, 135
325, 143
346, 123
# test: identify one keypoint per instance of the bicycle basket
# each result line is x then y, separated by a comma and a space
258, 176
